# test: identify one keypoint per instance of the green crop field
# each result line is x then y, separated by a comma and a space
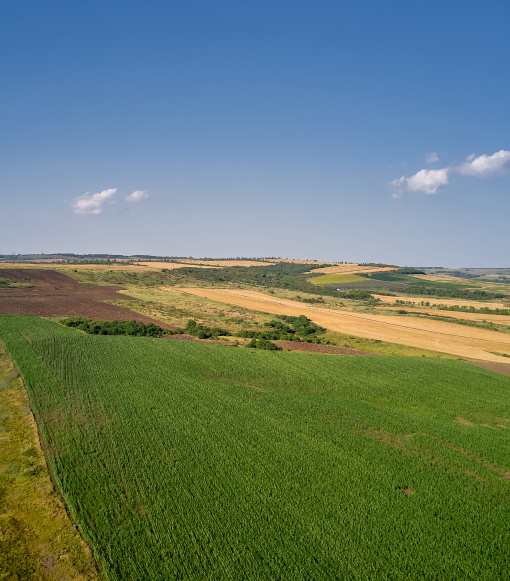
337, 279
181, 460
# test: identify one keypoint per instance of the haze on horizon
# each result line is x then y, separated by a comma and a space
371, 132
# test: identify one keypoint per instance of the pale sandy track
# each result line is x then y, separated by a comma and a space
500, 319
434, 335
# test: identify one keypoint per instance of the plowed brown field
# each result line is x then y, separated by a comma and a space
56, 295
434, 335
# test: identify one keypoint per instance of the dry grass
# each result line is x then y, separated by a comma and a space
37, 539
439, 336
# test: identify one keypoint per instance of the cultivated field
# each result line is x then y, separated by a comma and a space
54, 294
212, 263
138, 267
350, 269
435, 335
336, 279
500, 319
470, 282
442, 301
181, 460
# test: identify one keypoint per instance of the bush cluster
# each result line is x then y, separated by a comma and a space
410, 271
300, 325
311, 300
203, 332
134, 328
263, 344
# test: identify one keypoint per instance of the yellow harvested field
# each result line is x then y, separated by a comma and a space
434, 335
139, 266
215, 263
150, 265
500, 319
441, 301
170, 265
349, 269
295, 261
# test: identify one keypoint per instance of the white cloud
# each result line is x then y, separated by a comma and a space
432, 157
487, 166
138, 196
397, 185
430, 181
95, 203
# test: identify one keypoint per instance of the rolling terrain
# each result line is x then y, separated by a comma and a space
438, 336
180, 460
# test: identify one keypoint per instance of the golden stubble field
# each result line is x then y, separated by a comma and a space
500, 319
142, 266
138, 267
434, 335
440, 301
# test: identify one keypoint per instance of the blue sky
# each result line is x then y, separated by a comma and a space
257, 129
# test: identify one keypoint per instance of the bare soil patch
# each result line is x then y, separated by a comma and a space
56, 295
316, 348
503, 369
463, 421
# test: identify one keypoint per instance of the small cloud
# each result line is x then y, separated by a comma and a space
138, 196
432, 157
429, 181
487, 166
95, 203
397, 185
